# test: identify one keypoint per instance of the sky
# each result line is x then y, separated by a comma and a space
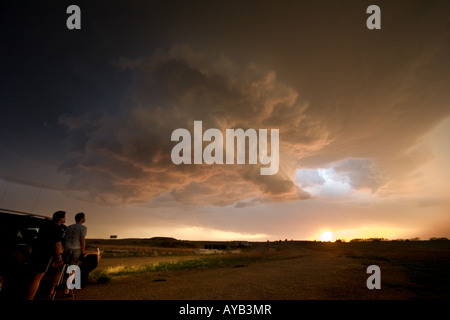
363, 117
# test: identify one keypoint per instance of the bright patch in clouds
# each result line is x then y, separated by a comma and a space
323, 181
358, 178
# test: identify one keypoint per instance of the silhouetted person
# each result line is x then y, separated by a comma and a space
46, 252
75, 241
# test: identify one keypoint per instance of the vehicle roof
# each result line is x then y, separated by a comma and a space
22, 213
13, 221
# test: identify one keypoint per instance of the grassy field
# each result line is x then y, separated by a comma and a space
426, 264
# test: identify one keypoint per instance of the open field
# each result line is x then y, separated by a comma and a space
166, 269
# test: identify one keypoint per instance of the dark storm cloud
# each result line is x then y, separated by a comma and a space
360, 102
342, 96
125, 154
361, 173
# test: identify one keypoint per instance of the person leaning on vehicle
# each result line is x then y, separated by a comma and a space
75, 242
46, 252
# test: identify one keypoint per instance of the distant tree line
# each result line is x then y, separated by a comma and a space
384, 239
368, 240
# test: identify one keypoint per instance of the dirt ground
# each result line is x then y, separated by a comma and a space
296, 274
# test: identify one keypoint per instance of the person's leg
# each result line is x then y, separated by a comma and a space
34, 285
75, 257
67, 291
55, 281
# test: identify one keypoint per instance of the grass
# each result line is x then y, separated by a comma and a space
199, 263
430, 276
425, 263
135, 251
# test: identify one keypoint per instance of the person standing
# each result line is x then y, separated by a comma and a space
75, 241
46, 252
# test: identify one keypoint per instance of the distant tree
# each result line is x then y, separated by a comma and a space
438, 239
377, 239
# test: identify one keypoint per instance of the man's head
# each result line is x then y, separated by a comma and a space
59, 217
80, 217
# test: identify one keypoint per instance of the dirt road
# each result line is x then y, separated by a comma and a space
304, 276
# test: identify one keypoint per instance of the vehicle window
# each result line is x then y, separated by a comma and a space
27, 234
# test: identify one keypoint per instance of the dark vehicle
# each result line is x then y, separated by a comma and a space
18, 230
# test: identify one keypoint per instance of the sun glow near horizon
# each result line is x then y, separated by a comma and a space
363, 232
326, 236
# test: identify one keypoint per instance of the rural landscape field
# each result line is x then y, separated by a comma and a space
169, 269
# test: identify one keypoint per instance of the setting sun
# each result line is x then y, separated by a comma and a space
326, 236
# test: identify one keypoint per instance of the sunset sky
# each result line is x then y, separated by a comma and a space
363, 116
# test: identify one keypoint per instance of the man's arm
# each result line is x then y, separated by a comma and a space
58, 251
83, 244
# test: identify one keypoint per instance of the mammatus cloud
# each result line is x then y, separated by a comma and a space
124, 155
